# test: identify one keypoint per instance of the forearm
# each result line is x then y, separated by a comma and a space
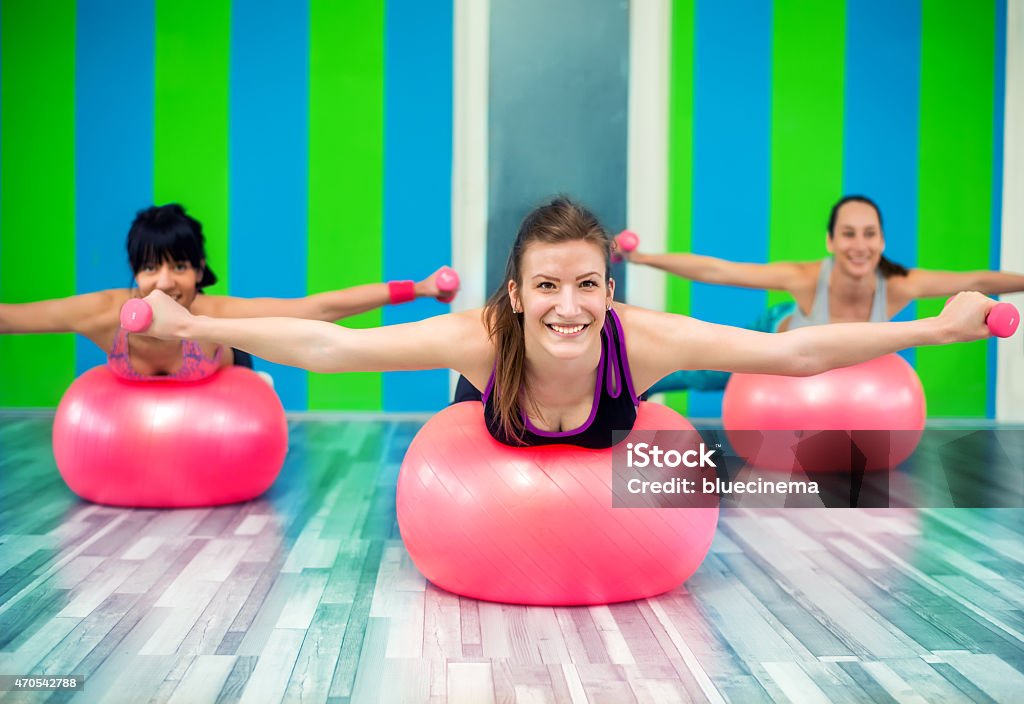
81, 314
308, 344
995, 282
344, 303
694, 267
816, 349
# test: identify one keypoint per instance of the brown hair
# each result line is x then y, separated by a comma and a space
558, 221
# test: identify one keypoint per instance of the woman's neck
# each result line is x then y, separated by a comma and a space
848, 289
559, 382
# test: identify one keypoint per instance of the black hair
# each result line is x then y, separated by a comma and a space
888, 267
166, 232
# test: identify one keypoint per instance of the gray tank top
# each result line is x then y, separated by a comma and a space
819, 311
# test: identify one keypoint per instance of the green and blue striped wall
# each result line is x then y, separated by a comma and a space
315, 142
312, 140
777, 110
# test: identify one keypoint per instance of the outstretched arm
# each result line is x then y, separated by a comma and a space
455, 341
661, 343
328, 306
83, 314
925, 283
779, 276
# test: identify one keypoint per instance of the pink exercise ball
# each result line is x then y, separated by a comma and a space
536, 525
169, 444
876, 410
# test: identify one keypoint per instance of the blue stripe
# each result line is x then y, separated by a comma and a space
999, 106
113, 143
881, 116
269, 162
731, 157
417, 174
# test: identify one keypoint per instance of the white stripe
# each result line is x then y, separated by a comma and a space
469, 151
1010, 367
650, 32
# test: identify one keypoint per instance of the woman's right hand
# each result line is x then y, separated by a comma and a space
170, 319
964, 317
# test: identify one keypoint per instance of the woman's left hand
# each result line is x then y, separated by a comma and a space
428, 288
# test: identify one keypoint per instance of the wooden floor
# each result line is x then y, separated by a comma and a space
308, 595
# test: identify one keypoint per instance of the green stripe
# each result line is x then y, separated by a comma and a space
346, 157
955, 182
807, 127
37, 189
680, 160
190, 157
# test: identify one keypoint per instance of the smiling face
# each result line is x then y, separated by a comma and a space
563, 297
166, 251
856, 241
178, 279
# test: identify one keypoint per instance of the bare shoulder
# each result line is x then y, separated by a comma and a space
638, 318
909, 286
101, 310
470, 326
900, 290
805, 275
237, 307
466, 331
658, 343
99, 315
644, 327
204, 304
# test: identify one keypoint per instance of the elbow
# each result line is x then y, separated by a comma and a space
323, 360
326, 354
983, 283
317, 306
710, 273
804, 361
319, 309
808, 366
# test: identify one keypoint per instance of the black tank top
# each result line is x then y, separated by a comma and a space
614, 405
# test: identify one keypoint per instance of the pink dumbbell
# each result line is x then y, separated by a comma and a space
447, 281
136, 315
625, 241
1002, 319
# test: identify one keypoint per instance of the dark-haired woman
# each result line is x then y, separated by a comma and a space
166, 252
857, 283
560, 362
